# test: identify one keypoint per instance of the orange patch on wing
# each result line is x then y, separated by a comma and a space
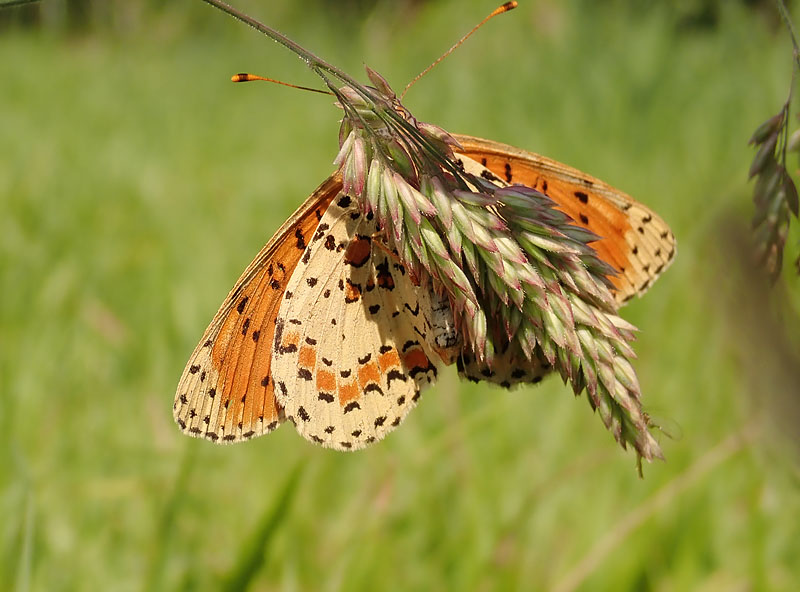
368, 373
348, 392
290, 340
352, 292
307, 358
416, 358
358, 251
326, 380
389, 360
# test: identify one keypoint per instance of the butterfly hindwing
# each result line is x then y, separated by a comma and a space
225, 393
351, 349
507, 369
634, 239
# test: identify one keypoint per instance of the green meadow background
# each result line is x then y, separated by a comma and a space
137, 182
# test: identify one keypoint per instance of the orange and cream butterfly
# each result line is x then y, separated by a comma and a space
330, 329
326, 328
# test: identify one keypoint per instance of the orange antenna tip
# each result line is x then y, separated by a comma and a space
505, 8
244, 77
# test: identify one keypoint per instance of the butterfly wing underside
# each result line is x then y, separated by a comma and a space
226, 393
634, 239
351, 344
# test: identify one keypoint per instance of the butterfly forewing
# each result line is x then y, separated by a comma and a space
634, 240
351, 347
225, 393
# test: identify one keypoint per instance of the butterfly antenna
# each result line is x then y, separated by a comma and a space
497, 11
242, 77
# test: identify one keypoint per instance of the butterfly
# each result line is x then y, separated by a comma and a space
423, 250
327, 328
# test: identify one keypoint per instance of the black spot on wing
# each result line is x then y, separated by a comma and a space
301, 241
321, 229
488, 175
373, 388
395, 374
414, 311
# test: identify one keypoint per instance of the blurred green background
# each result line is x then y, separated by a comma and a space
136, 183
